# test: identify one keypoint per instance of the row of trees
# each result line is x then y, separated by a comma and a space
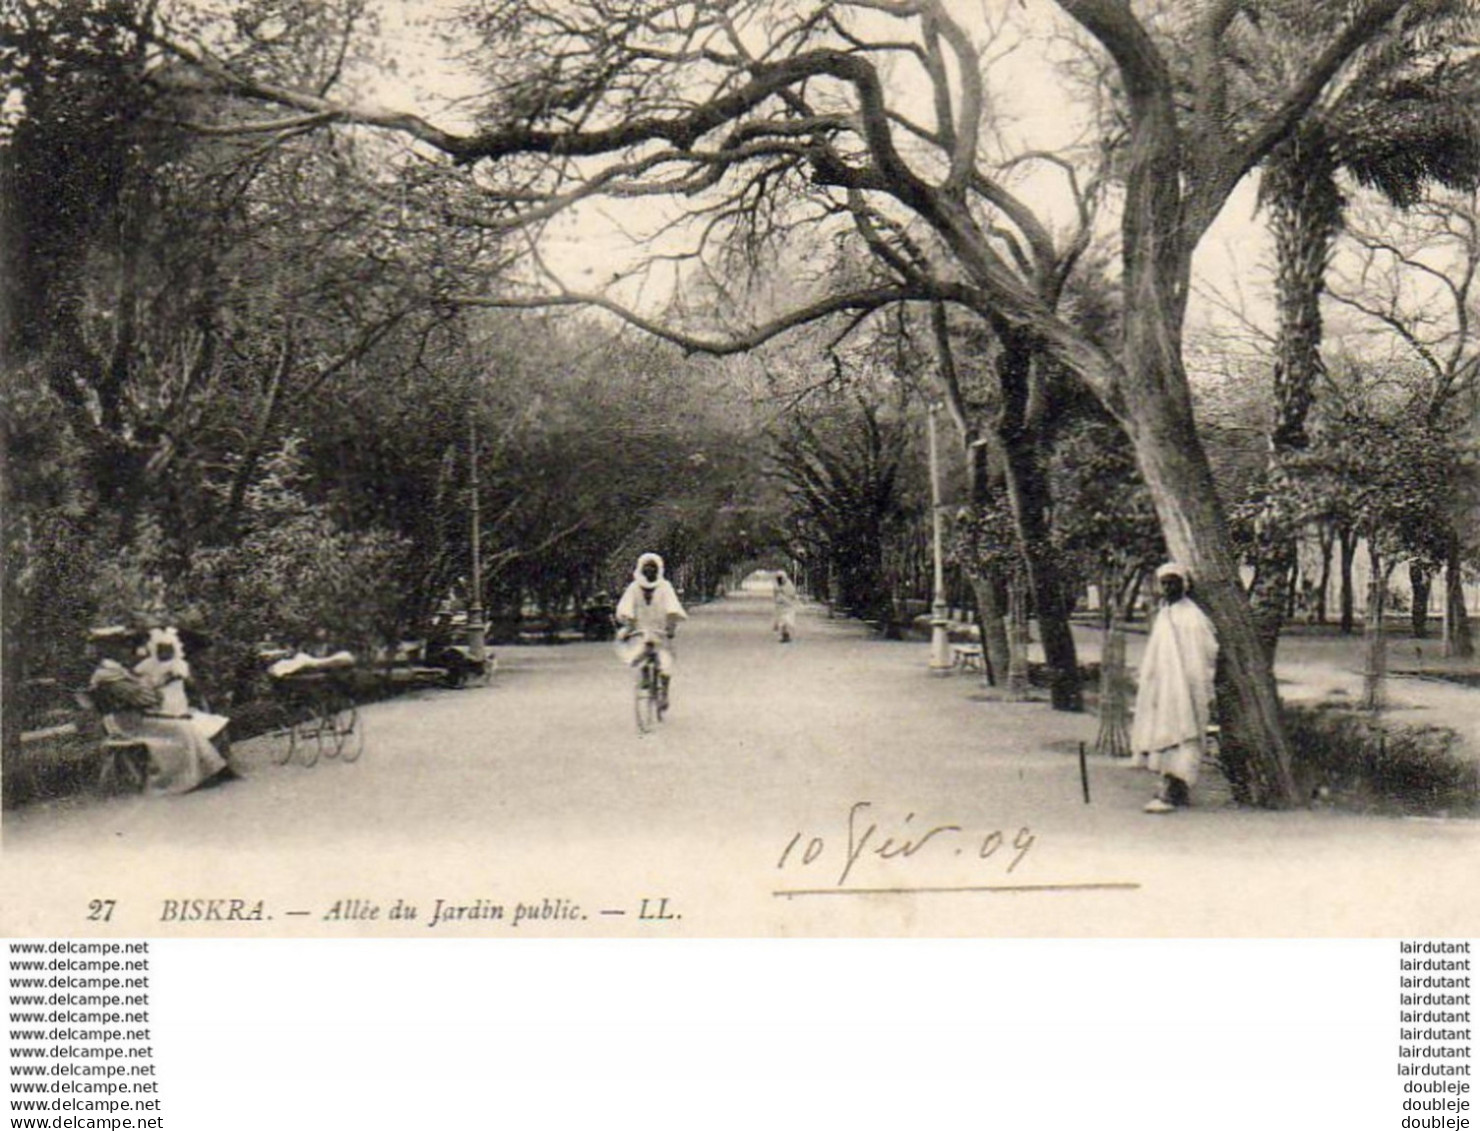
1361, 469
237, 394
873, 134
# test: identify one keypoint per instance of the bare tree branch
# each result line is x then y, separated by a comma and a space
866, 300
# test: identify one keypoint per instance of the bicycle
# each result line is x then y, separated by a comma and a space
651, 688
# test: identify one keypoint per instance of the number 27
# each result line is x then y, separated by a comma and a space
101, 910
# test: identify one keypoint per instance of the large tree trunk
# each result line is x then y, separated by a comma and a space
1269, 590
1018, 685
1458, 639
1304, 207
1132, 594
1348, 598
1177, 474
1374, 669
1323, 587
1028, 489
1114, 739
988, 586
1026, 449
1151, 396
1421, 582
994, 627
246, 471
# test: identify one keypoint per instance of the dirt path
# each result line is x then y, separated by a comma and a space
538, 791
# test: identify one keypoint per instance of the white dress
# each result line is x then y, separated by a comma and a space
181, 754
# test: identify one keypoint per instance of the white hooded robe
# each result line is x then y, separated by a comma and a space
1175, 691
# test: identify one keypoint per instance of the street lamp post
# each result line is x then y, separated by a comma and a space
940, 659
476, 629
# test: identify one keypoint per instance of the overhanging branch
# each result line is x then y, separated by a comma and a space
856, 301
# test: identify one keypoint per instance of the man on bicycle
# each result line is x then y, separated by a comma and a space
649, 611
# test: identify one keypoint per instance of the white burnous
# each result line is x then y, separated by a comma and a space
785, 597
1175, 691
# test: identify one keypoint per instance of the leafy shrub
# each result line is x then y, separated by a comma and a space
1359, 761
292, 574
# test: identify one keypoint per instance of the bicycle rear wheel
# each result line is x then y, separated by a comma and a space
646, 702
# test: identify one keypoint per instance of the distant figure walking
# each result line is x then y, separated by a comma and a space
786, 608
1175, 692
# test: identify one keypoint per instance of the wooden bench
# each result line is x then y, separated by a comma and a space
968, 657
123, 761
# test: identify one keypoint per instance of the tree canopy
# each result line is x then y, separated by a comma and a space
760, 132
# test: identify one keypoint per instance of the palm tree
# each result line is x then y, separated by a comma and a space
1408, 118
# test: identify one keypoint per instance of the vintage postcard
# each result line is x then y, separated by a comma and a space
837, 469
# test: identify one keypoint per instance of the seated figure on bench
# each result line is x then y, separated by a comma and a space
148, 705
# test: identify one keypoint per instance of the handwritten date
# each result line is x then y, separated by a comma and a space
865, 838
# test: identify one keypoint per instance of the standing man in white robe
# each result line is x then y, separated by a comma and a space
1175, 692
